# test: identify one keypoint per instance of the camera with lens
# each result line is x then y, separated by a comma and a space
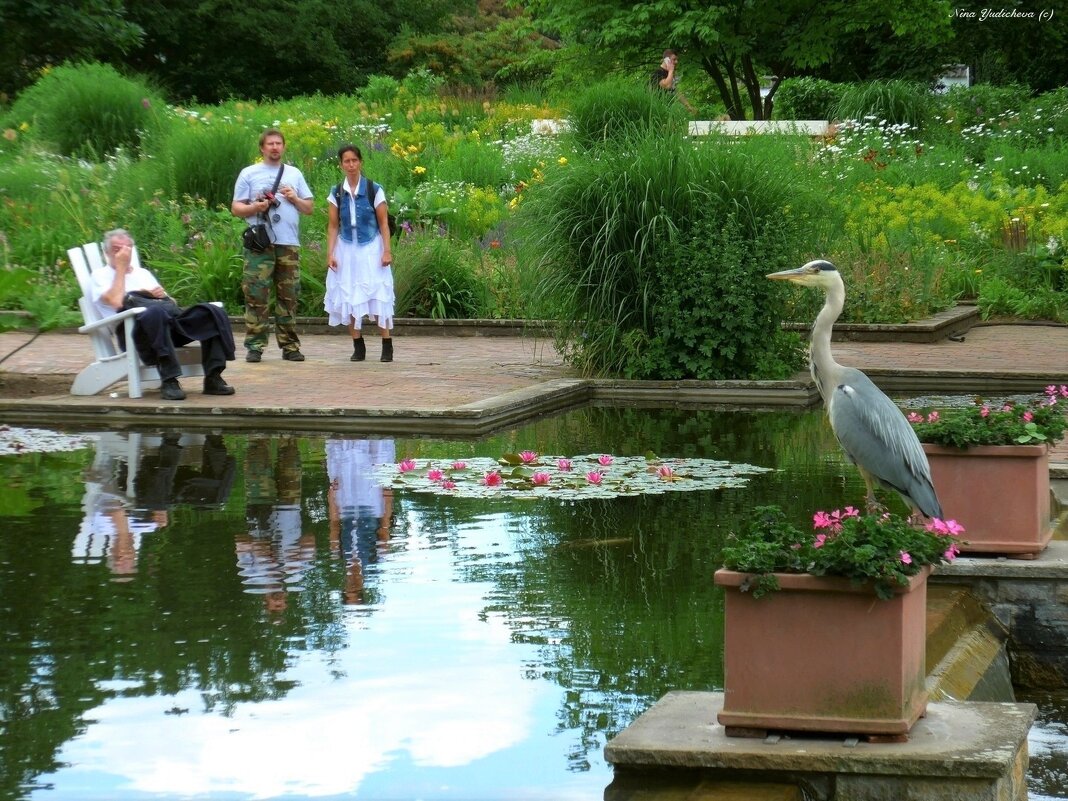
270, 198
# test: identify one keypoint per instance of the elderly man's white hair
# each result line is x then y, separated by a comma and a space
112, 235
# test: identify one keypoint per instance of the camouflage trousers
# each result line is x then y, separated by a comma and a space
278, 266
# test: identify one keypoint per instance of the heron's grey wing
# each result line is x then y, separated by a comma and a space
878, 438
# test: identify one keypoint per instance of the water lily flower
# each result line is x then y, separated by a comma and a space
594, 476
664, 471
563, 465
435, 475
459, 465
906, 558
448, 484
528, 456
406, 465
540, 479
492, 479
605, 459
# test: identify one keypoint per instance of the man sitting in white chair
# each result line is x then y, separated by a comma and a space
157, 331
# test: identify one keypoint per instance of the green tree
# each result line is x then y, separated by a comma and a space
42, 33
736, 42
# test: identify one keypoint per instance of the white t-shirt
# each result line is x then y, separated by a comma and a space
104, 277
259, 178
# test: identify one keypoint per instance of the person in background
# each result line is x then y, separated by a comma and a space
359, 281
666, 80
280, 263
158, 332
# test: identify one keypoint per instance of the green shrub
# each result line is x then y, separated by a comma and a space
204, 160
603, 231
380, 89
88, 110
895, 101
807, 99
434, 278
981, 103
615, 110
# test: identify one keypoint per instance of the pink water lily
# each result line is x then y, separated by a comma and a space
594, 476
448, 484
563, 465
605, 459
665, 472
435, 475
492, 479
528, 456
540, 479
459, 465
406, 465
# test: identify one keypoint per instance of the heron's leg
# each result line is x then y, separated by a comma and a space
872, 505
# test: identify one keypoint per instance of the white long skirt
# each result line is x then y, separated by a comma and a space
360, 286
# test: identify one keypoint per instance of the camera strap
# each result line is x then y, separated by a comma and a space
274, 188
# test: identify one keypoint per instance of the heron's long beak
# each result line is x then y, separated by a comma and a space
788, 275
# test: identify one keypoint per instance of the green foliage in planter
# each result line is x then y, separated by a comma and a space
621, 109
87, 110
807, 99
981, 423
894, 101
883, 549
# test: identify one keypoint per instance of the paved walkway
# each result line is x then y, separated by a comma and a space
442, 376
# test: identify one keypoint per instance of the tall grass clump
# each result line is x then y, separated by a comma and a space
807, 98
87, 110
894, 101
204, 160
615, 110
653, 255
433, 278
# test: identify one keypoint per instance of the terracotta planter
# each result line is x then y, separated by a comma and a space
999, 493
823, 655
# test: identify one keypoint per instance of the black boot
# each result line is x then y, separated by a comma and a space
387, 349
359, 350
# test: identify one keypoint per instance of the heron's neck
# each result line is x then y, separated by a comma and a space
821, 362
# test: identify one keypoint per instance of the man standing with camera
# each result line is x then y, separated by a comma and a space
275, 195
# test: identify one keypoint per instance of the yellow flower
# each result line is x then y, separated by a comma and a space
419, 169
24, 127
514, 202
413, 148
561, 161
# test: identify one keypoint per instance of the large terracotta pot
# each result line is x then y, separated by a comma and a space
999, 493
823, 655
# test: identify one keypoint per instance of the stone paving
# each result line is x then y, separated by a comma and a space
444, 374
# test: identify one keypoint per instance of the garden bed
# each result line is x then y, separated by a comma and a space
951, 322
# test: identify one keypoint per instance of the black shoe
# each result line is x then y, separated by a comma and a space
359, 350
215, 385
387, 350
170, 389
292, 355
253, 356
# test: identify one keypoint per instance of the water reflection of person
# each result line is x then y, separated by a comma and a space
163, 480
274, 554
360, 510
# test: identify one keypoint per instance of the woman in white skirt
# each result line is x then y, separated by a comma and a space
359, 282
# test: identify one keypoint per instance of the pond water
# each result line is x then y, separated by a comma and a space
252, 616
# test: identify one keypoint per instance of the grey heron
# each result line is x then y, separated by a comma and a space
870, 427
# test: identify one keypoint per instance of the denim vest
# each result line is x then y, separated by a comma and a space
366, 221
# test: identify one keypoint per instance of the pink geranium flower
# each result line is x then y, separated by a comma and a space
528, 456
933, 417
951, 552
594, 476
540, 479
906, 558
913, 417
406, 465
984, 412
1028, 417
605, 459
492, 479
820, 540
563, 465
435, 475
